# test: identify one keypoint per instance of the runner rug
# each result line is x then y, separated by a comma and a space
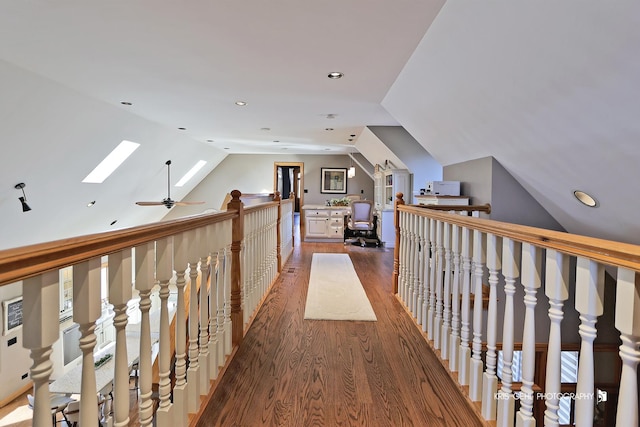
335, 292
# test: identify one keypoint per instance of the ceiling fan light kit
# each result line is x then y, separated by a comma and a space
168, 202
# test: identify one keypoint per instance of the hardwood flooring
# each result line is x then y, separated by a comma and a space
295, 372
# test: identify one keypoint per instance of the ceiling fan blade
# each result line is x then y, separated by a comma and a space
150, 203
188, 203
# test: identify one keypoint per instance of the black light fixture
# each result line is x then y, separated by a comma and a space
23, 200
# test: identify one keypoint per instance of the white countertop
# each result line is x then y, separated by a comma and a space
70, 383
325, 207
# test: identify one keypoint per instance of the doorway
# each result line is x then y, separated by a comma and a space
289, 177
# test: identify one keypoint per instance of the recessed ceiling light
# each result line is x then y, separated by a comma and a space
327, 149
125, 103
277, 140
353, 135
187, 176
335, 75
111, 162
226, 148
586, 199
265, 129
241, 103
113, 222
331, 116
91, 203
182, 128
328, 128
209, 140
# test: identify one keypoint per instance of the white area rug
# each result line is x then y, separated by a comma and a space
335, 292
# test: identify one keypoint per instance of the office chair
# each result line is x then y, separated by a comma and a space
58, 403
360, 224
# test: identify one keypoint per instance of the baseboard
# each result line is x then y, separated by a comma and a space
16, 394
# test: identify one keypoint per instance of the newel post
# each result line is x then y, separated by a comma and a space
277, 198
396, 250
237, 233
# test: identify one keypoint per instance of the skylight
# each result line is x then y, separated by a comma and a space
191, 173
111, 162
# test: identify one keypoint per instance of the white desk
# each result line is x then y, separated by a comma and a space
71, 382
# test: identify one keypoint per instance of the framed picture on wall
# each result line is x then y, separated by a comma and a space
12, 315
333, 180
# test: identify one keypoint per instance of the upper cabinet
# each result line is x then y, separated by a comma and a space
389, 182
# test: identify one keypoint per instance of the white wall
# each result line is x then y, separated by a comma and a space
14, 359
253, 173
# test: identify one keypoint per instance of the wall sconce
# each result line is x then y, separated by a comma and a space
23, 200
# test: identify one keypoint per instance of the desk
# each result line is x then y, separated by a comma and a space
70, 383
324, 223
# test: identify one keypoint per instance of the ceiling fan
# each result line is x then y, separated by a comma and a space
168, 202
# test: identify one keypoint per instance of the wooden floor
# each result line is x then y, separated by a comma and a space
295, 372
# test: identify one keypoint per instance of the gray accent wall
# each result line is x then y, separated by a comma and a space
485, 180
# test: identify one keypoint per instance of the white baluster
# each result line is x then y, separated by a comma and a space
420, 306
628, 323
465, 350
216, 281
446, 293
202, 241
426, 265
475, 380
86, 310
214, 339
557, 290
531, 270
193, 371
506, 403
164, 273
144, 271
454, 339
402, 292
405, 258
490, 380
413, 262
439, 266
227, 301
120, 285
41, 307
226, 263
589, 303
431, 312
181, 245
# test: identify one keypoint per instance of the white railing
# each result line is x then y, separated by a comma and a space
259, 255
287, 207
195, 259
443, 262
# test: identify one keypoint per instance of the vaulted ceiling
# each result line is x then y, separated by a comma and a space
550, 89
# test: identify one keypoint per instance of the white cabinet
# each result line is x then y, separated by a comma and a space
432, 199
324, 223
386, 228
387, 183
396, 181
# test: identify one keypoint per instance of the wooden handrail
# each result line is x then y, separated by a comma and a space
601, 250
28, 261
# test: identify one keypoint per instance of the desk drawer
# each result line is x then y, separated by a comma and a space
316, 213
